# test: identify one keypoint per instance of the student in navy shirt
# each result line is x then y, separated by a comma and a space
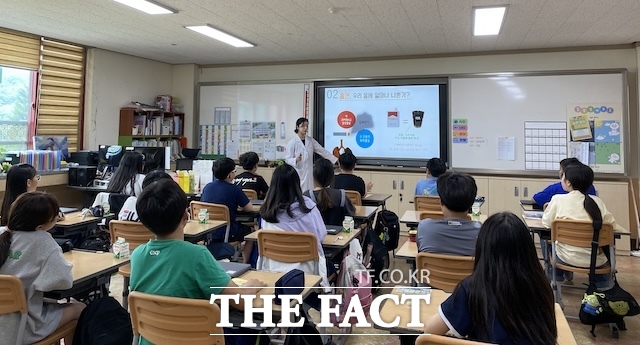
223, 191
507, 299
544, 197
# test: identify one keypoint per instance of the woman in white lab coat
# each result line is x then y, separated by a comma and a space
300, 154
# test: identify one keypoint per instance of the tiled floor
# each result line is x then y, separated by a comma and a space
628, 277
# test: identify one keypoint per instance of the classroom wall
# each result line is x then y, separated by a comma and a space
184, 90
112, 81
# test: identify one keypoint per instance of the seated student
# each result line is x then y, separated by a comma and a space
483, 306
435, 168
128, 177
543, 197
285, 208
576, 181
21, 178
128, 210
169, 265
332, 203
248, 179
346, 179
223, 191
28, 252
455, 234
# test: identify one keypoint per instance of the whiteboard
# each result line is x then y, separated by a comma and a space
497, 121
281, 104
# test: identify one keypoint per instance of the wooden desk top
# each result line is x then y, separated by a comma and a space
408, 251
376, 198
389, 311
194, 228
87, 265
365, 212
413, 217
330, 241
75, 218
270, 278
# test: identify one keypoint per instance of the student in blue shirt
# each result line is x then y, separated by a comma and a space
543, 197
223, 191
429, 186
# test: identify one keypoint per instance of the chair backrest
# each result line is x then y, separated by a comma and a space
116, 201
431, 215
287, 246
579, 233
354, 196
172, 320
134, 232
432, 339
427, 203
445, 271
251, 194
216, 212
12, 300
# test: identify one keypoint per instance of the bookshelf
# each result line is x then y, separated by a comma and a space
149, 127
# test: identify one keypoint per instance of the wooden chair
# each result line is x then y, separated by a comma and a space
444, 271
578, 233
432, 339
13, 300
216, 212
354, 196
435, 215
164, 320
135, 234
251, 194
427, 203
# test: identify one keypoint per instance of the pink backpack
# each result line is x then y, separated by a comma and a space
354, 280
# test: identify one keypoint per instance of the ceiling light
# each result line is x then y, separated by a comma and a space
147, 6
488, 20
212, 32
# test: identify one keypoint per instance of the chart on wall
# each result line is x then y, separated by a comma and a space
238, 118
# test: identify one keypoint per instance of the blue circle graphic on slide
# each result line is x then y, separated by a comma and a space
364, 138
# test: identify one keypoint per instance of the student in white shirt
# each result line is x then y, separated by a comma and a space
128, 210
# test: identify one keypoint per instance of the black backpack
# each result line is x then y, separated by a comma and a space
103, 322
306, 335
96, 243
377, 255
388, 229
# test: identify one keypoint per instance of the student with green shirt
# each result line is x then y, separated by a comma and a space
170, 266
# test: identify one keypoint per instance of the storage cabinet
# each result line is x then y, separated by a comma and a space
615, 196
149, 127
504, 194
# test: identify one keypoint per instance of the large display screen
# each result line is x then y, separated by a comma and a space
401, 124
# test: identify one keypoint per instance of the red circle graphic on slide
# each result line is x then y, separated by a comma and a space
346, 119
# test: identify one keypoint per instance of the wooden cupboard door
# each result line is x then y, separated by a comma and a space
407, 187
504, 195
266, 173
483, 190
386, 183
615, 196
530, 187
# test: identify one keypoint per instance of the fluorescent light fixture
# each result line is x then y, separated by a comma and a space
212, 32
147, 6
488, 20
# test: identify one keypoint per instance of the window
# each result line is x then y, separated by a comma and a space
17, 99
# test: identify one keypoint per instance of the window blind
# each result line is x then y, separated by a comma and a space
19, 50
61, 91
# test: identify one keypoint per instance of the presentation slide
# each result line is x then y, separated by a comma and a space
383, 121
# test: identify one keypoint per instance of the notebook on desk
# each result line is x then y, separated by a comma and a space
66, 210
334, 229
234, 269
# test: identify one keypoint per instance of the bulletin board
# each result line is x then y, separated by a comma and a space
527, 123
260, 117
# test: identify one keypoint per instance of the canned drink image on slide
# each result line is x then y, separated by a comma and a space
418, 115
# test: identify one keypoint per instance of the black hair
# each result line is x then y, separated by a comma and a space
568, 161
130, 166
17, 178
161, 206
299, 122
347, 160
284, 191
27, 212
581, 178
154, 176
507, 274
436, 167
223, 167
457, 191
248, 160
323, 176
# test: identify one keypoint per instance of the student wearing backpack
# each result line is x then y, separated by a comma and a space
28, 252
507, 299
454, 234
170, 266
332, 203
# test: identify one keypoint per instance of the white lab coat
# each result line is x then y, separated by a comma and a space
295, 147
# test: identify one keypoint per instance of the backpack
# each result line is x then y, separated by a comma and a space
103, 322
96, 243
376, 257
388, 229
306, 335
354, 280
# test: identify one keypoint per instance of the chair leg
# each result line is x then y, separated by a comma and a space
125, 293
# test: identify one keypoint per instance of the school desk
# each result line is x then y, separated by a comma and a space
535, 226
389, 311
74, 223
408, 251
374, 199
412, 218
339, 241
365, 213
91, 272
195, 232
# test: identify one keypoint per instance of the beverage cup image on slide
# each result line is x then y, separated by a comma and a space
418, 115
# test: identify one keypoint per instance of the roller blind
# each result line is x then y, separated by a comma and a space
19, 50
61, 91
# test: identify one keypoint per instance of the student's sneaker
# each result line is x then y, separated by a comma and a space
568, 276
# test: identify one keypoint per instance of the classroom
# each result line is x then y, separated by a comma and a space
487, 104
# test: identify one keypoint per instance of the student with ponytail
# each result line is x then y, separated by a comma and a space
578, 205
332, 203
28, 252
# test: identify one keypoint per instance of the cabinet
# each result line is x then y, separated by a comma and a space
504, 194
400, 186
140, 127
615, 196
